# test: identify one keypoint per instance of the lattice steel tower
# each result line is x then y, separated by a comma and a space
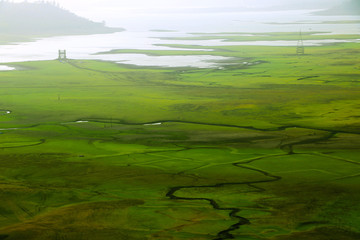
300, 45
62, 55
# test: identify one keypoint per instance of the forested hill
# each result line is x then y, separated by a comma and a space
350, 7
44, 19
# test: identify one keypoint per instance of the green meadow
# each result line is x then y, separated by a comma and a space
265, 147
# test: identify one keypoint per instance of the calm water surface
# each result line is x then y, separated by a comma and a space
6, 68
140, 36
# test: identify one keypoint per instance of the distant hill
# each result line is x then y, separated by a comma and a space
44, 19
350, 7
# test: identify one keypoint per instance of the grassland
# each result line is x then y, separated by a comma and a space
265, 147
273, 36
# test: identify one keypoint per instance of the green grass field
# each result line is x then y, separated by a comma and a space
266, 147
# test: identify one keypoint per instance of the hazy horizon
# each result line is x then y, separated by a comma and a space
107, 10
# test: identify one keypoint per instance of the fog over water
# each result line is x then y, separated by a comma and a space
140, 18
6, 68
133, 10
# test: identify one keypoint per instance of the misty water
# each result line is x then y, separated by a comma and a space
6, 68
140, 36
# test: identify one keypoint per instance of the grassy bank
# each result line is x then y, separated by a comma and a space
96, 150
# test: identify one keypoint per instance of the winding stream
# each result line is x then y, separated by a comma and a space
234, 212
226, 234
160, 122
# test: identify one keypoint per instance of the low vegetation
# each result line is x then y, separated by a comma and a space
264, 147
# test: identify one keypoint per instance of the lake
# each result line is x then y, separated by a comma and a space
6, 68
139, 35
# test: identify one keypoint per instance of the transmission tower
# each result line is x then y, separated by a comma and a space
300, 45
62, 55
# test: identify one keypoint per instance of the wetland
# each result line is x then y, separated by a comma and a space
232, 141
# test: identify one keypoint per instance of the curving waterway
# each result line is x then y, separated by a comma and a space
234, 212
